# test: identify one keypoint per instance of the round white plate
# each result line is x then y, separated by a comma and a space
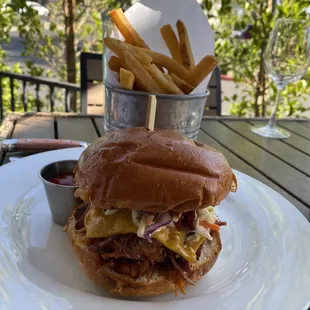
264, 264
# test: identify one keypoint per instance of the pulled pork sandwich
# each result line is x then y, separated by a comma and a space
148, 225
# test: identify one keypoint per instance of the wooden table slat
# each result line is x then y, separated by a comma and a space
306, 124
297, 128
76, 129
282, 150
238, 164
34, 127
31, 127
99, 123
283, 175
294, 140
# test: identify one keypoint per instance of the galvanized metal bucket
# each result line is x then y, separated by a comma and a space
124, 109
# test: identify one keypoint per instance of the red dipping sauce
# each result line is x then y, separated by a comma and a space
65, 180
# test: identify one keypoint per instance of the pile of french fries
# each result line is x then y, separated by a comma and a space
140, 68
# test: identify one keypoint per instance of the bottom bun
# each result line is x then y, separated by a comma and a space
161, 282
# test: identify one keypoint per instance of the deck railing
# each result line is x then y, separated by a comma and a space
25, 80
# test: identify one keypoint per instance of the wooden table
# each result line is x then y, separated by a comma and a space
284, 165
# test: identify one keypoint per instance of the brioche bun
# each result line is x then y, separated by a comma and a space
153, 171
99, 271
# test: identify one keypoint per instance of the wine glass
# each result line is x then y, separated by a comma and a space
286, 59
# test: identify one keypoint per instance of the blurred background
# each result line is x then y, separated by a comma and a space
46, 38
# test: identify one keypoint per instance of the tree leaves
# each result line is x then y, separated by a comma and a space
243, 58
240, 58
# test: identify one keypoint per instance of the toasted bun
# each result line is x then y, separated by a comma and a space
152, 171
100, 272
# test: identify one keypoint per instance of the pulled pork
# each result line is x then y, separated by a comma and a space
129, 246
79, 216
134, 269
133, 256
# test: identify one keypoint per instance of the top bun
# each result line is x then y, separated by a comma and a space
153, 171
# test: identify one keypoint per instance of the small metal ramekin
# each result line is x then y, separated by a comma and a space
60, 197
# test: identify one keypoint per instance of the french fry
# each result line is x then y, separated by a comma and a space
166, 62
172, 42
185, 46
114, 64
143, 69
142, 77
167, 76
143, 58
117, 47
162, 81
129, 33
201, 70
186, 88
126, 41
125, 28
126, 79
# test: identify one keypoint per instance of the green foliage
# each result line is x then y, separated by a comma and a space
243, 59
14, 14
50, 44
46, 40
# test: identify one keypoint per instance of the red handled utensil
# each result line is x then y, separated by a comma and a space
23, 147
37, 145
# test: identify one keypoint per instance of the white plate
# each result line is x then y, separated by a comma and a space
264, 264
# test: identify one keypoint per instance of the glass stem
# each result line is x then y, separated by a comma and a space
272, 120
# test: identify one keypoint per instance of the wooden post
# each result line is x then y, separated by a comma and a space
151, 112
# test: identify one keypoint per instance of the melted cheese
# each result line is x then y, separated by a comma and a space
196, 245
174, 240
99, 225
